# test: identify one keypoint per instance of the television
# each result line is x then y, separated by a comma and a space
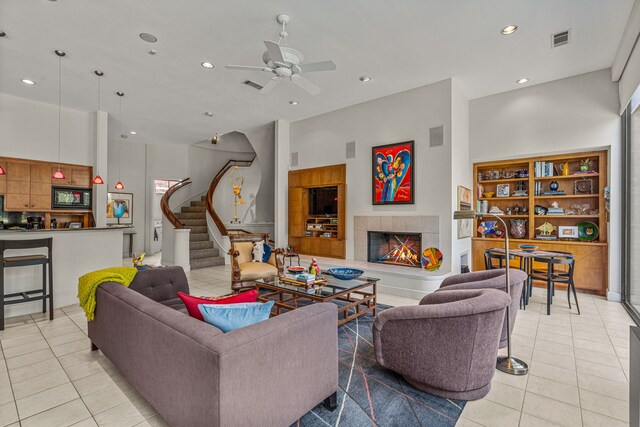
323, 201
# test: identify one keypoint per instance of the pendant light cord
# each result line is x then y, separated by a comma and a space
120, 145
59, 108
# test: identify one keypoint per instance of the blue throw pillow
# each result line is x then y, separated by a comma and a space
267, 253
228, 317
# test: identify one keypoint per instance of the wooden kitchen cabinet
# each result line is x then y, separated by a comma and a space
3, 178
81, 177
28, 187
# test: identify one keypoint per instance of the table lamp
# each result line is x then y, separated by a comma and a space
508, 364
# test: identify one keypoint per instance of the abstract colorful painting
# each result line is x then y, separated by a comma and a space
431, 259
393, 179
119, 208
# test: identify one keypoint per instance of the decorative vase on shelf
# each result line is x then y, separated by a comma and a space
518, 228
553, 186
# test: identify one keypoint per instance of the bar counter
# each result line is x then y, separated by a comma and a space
76, 251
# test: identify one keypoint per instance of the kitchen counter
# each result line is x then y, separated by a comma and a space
75, 252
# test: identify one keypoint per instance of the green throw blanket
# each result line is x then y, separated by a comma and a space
88, 285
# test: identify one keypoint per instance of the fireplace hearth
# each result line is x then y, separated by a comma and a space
395, 248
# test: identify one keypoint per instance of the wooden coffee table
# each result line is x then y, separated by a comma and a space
353, 297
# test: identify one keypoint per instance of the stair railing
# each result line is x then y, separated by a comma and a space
164, 203
212, 188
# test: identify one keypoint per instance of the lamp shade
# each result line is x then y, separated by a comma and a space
119, 186
2, 171
465, 214
58, 174
98, 180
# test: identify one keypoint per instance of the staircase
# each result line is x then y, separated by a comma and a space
202, 254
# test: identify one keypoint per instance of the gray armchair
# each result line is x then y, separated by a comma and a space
491, 279
446, 345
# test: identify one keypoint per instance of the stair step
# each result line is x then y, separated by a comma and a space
194, 221
198, 203
204, 244
193, 209
203, 253
198, 228
198, 237
189, 215
203, 198
206, 262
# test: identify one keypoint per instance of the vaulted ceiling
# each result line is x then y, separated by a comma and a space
401, 45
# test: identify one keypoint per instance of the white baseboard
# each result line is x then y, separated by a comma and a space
614, 296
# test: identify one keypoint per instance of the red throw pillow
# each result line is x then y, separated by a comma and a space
191, 302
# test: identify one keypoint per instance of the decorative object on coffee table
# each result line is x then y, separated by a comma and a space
345, 273
393, 178
508, 364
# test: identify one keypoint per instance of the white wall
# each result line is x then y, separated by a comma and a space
405, 116
572, 114
29, 130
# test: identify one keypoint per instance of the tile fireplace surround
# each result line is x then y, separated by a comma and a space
428, 225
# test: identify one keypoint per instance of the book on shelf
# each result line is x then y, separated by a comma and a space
584, 172
555, 211
542, 169
554, 193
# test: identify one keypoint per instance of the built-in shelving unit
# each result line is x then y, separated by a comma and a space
591, 256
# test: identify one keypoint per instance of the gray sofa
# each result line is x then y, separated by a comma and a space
446, 345
270, 373
491, 279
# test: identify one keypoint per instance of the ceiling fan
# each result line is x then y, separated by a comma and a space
286, 63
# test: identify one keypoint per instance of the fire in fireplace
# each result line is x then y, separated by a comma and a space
395, 248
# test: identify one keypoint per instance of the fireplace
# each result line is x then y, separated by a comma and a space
395, 248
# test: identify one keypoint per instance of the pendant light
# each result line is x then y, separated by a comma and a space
58, 173
119, 184
98, 179
2, 172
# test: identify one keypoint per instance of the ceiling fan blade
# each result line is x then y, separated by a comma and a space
274, 51
305, 84
246, 67
318, 66
270, 85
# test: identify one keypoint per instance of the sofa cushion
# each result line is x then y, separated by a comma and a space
245, 251
160, 284
176, 304
229, 317
257, 270
192, 302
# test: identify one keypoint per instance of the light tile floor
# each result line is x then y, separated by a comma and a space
579, 369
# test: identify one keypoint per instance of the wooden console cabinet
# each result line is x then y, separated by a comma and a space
591, 257
315, 234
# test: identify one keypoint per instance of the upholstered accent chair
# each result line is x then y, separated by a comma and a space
491, 279
447, 345
243, 270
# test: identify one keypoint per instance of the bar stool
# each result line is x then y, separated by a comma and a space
496, 259
553, 276
22, 261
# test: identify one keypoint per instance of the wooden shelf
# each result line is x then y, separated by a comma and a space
553, 178
567, 216
568, 196
500, 181
504, 198
506, 216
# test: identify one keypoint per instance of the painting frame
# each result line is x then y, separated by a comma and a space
465, 203
405, 193
127, 198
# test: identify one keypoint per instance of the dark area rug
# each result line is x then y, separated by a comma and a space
370, 395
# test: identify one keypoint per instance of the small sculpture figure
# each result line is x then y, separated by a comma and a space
546, 229
495, 210
555, 205
585, 165
137, 260
313, 268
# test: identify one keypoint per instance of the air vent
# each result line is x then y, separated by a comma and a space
294, 159
560, 39
351, 150
253, 84
436, 136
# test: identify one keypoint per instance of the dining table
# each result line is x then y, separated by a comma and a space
527, 258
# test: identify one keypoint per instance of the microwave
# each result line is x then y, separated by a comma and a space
71, 198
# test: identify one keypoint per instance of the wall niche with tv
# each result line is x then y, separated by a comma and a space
317, 211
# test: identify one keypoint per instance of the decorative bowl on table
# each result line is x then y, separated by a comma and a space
528, 248
345, 273
296, 269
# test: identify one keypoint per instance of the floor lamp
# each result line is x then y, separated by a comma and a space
508, 364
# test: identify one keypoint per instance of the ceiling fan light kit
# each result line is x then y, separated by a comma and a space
284, 62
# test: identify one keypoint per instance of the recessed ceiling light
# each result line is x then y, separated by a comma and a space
365, 79
509, 29
293, 102
208, 65
522, 81
59, 52
208, 113
120, 93
123, 136
152, 52
133, 132
28, 82
99, 73
149, 38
